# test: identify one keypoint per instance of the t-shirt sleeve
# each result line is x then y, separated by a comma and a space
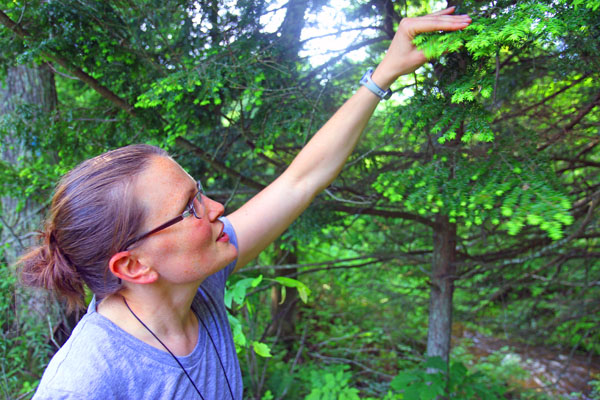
228, 229
56, 394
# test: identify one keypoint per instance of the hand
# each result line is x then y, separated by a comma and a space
402, 56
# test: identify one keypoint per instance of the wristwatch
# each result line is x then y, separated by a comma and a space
367, 82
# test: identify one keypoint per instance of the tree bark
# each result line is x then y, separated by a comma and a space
442, 288
284, 313
291, 28
23, 86
28, 86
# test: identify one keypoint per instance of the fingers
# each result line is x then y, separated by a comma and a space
450, 22
440, 22
448, 10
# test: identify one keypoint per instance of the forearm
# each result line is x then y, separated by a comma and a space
324, 156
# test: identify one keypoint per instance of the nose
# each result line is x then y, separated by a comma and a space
214, 209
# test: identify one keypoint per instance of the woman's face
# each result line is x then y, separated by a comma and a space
189, 250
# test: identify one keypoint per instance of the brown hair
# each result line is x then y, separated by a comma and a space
92, 215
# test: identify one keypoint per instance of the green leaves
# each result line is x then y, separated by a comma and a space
332, 383
594, 5
23, 344
435, 46
167, 90
237, 291
510, 28
303, 290
261, 349
429, 381
475, 193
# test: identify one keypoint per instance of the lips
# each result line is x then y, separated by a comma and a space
223, 237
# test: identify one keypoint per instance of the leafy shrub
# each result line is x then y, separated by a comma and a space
595, 384
331, 383
429, 380
23, 347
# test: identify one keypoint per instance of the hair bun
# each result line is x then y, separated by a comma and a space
46, 266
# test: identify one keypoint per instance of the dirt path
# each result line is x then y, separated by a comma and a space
558, 374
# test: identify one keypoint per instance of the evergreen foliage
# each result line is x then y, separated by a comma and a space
499, 137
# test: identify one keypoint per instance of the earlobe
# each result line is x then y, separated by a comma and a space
127, 267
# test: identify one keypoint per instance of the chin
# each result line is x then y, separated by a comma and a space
233, 257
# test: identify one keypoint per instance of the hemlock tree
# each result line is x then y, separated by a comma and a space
503, 137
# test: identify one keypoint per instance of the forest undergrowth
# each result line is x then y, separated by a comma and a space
361, 334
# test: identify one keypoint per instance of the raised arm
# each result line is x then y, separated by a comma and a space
266, 216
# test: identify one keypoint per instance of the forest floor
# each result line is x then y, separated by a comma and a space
555, 373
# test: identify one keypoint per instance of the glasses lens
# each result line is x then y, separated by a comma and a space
198, 206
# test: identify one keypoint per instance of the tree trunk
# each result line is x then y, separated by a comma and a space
442, 288
291, 29
284, 313
28, 86
23, 86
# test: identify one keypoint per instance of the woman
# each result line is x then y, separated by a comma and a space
140, 233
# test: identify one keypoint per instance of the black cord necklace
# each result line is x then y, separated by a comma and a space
176, 359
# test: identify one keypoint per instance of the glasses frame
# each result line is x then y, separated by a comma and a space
189, 211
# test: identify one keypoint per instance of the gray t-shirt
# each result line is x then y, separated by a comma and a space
102, 361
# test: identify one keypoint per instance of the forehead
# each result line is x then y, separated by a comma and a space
163, 188
164, 170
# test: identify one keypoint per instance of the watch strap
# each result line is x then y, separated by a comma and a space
367, 82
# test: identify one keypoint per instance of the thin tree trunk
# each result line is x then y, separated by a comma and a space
442, 288
284, 313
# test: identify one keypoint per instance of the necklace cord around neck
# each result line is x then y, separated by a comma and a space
170, 352
215, 347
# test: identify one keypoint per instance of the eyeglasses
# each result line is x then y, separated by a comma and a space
197, 209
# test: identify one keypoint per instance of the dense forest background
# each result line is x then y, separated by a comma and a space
458, 253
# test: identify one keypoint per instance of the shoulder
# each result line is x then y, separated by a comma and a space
59, 394
95, 363
81, 365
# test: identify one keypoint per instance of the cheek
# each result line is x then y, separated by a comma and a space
200, 236
186, 247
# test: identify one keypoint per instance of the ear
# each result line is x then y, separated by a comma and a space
127, 267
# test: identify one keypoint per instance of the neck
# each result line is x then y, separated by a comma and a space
168, 315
